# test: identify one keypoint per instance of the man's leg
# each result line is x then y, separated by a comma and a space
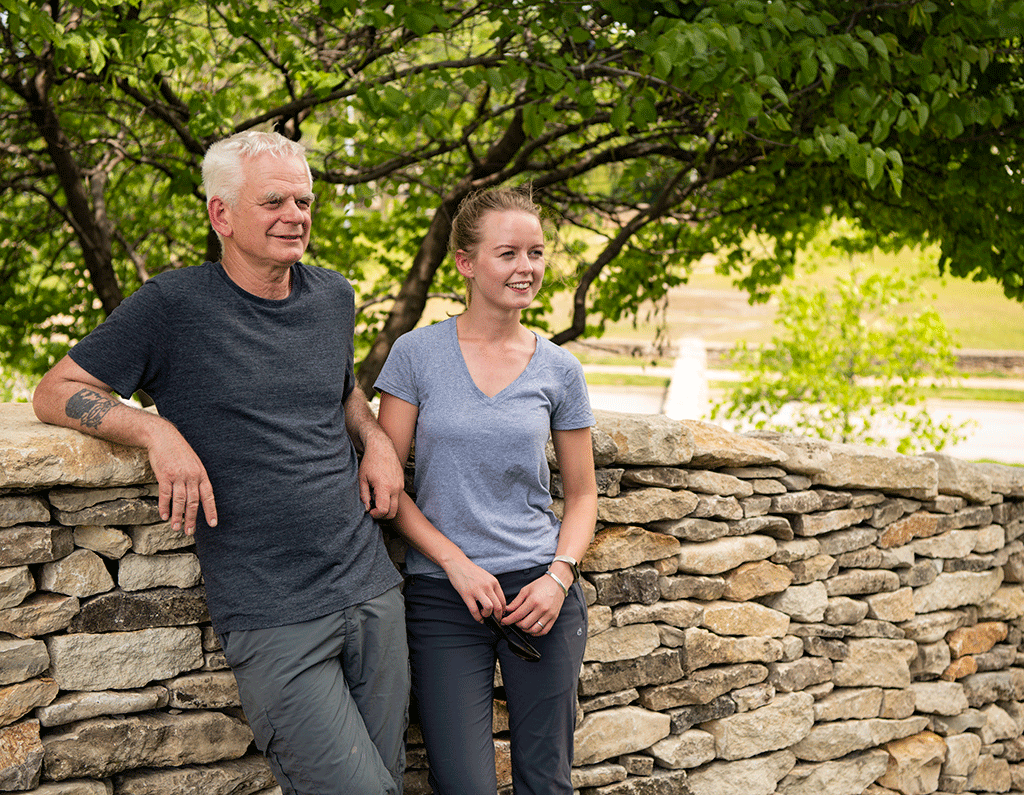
303, 713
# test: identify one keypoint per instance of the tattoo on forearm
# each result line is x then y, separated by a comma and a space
89, 407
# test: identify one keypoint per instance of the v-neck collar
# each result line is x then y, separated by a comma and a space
454, 341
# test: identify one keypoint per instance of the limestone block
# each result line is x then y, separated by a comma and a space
862, 581
985, 687
757, 776
18, 508
692, 528
952, 544
933, 627
959, 668
800, 674
818, 567
109, 542
81, 574
841, 541
991, 775
939, 698
685, 718
660, 477
703, 686
835, 740
999, 725
744, 618
589, 776
961, 478
123, 660
622, 643
852, 774
806, 603
849, 703
21, 756
805, 455
752, 697
630, 585
249, 774
844, 610
658, 667
24, 545
797, 549
21, 659
700, 649
679, 613
141, 572
203, 690
914, 764
100, 747
918, 525
37, 455
895, 606
612, 732
716, 448
72, 707
786, 720
137, 510
724, 554
623, 547
599, 618
119, 611
757, 578
956, 589
75, 499
962, 754
707, 482
876, 662
815, 524
796, 502
711, 506
645, 505
16, 583
919, 574
1006, 604
19, 699
646, 440
932, 659
991, 538
690, 749
860, 466
148, 539
976, 639
40, 614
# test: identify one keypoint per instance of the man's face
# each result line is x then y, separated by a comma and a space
269, 226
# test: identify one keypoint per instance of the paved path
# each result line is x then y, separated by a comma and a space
998, 436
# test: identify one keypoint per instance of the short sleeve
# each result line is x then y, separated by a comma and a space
398, 376
573, 411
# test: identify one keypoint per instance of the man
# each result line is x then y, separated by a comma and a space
250, 364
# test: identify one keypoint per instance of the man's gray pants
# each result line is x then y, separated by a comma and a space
328, 699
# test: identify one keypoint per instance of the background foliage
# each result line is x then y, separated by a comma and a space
654, 133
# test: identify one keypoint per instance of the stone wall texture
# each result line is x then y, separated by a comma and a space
768, 613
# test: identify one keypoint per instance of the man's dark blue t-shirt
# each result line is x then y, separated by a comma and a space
256, 387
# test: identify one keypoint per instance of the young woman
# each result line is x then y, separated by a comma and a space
491, 571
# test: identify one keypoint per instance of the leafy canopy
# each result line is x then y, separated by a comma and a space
653, 132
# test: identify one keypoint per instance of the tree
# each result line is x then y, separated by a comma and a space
654, 133
852, 364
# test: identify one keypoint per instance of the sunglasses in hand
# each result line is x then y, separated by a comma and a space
517, 640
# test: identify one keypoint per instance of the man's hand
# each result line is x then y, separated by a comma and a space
184, 484
381, 479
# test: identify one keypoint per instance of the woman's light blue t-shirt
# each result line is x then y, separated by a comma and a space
482, 476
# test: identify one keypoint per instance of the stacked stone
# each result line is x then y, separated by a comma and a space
111, 679
776, 614
768, 613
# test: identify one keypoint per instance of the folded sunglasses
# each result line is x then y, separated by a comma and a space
517, 640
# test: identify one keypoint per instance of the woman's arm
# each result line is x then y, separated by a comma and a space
478, 588
536, 606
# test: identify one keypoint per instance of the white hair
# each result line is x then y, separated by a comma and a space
222, 165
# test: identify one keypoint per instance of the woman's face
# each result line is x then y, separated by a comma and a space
507, 268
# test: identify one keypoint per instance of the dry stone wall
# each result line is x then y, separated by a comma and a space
768, 613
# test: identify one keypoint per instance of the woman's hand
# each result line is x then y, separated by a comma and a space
536, 606
478, 588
